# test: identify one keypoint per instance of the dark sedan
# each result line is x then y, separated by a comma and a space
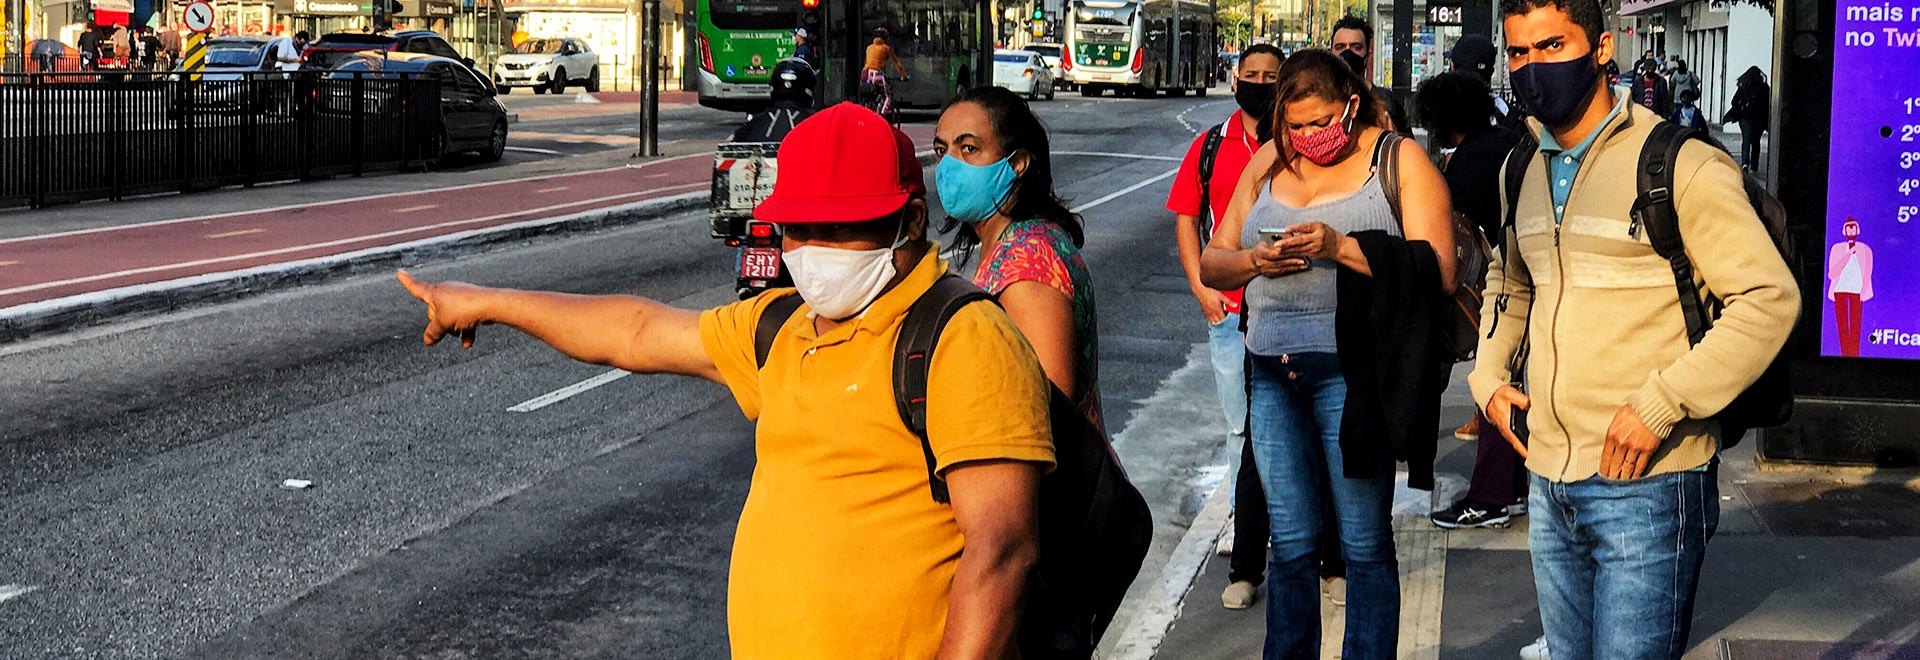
471, 120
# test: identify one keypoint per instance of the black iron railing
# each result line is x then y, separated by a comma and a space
74, 136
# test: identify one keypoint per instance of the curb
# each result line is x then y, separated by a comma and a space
1155, 615
61, 314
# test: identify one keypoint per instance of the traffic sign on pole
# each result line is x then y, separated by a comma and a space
199, 19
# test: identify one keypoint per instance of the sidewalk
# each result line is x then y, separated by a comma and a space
85, 263
1807, 563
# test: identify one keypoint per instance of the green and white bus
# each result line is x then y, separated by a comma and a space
1128, 46
938, 41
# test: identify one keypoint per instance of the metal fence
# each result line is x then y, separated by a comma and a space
69, 137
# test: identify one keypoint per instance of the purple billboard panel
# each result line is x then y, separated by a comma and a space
1871, 283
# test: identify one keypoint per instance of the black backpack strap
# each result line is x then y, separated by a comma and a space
774, 315
1654, 211
1209, 151
1514, 176
913, 357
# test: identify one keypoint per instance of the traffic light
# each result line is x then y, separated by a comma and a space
1039, 14
810, 4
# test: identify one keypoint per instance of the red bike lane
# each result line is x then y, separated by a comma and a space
47, 267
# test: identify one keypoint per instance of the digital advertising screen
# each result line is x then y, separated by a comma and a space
1871, 283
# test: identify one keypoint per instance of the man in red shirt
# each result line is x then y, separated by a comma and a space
1233, 144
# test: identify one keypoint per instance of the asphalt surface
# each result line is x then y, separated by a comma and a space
141, 463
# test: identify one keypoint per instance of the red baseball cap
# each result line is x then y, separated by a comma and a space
843, 164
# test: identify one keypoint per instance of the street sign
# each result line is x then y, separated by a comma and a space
199, 16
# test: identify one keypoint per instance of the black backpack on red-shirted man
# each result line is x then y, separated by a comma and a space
1094, 525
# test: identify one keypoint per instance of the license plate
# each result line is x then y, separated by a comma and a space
760, 264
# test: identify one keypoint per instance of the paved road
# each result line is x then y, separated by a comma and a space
140, 482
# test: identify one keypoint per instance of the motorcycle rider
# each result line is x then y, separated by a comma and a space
793, 83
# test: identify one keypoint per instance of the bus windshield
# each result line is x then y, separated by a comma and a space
753, 14
1122, 15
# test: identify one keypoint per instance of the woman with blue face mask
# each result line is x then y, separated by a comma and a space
995, 181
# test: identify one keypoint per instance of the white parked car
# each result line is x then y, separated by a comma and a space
549, 64
1050, 53
1023, 72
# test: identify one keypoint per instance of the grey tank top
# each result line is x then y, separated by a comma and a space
1293, 314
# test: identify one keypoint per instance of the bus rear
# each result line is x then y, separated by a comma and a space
738, 43
1102, 39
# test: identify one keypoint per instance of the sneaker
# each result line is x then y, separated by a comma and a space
1225, 547
1535, 651
1469, 431
1239, 595
1334, 589
1464, 514
1518, 508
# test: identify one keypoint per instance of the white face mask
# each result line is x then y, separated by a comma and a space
839, 283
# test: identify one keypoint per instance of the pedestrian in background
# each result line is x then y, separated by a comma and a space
1198, 205
1311, 234
1353, 41
1752, 109
1687, 114
995, 180
1457, 111
1683, 80
1649, 89
805, 50
840, 552
1474, 54
1619, 439
89, 47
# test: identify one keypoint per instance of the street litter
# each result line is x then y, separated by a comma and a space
296, 484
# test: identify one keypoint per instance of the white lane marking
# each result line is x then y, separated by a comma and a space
1111, 154
1141, 639
12, 591
532, 150
421, 207
1083, 207
343, 241
553, 189
271, 209
1182, 118
568, 392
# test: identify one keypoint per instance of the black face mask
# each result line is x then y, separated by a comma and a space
1255, 98
1356, 62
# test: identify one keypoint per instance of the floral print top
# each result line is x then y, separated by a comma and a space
1038, 251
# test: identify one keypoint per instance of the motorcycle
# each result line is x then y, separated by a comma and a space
743, 176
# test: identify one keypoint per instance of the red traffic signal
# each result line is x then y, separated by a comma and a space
810, 4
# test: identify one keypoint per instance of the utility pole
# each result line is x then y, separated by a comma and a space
1403, 49
649, 63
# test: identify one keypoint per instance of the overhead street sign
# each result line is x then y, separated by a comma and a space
199, 16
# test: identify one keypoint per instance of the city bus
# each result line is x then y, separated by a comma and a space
738, 41
1127, 46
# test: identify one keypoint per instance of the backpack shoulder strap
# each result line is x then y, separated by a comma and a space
1513, 177
913, 358
1209, 152
1654, 211
1386, 161
774, 315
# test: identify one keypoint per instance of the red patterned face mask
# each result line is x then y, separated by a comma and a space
1324, 145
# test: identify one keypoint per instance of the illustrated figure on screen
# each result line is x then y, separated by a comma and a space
1849, 284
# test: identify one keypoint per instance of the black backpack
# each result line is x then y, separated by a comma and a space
1460, 330
1769, 400
1094, 525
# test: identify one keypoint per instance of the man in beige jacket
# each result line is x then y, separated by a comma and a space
1622, 447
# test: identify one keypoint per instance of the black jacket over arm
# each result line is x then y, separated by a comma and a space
1395, 371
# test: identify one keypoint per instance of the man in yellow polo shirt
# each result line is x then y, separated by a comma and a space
841, 552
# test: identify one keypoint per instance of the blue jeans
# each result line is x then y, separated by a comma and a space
1616, 563
1229, 348
1296, 407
